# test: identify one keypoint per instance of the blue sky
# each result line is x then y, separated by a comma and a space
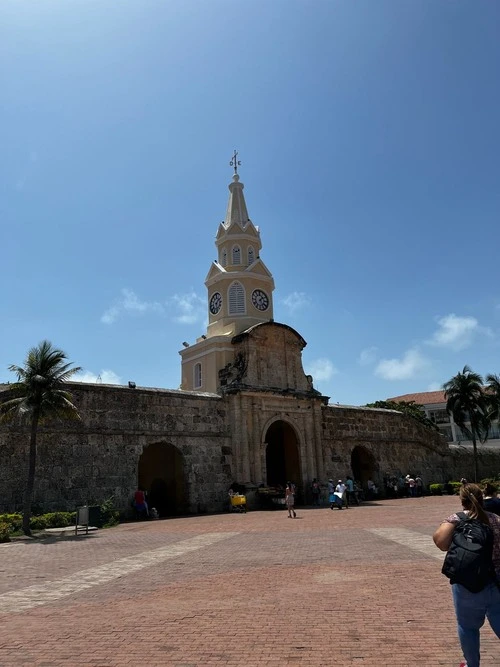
369, 137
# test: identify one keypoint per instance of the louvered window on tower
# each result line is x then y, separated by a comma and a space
224, 257
236, 255
251, 255
236, 299
197, 375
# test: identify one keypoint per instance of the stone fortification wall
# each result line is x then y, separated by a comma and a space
461, 462
399, 444
93, 459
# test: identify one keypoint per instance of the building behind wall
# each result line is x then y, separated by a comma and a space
433, 404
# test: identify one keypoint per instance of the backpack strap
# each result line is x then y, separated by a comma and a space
463, 516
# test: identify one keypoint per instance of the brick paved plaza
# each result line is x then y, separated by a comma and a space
357, 587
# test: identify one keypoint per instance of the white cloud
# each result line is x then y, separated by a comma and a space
129, 304
456, 332
321, 369
368, 356
191, 308
410, 365
295, 301
105, 376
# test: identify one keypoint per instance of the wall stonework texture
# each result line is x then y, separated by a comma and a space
221, 438
93, 459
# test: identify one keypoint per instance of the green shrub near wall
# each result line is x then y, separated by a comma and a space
14, 522
10, 524
436, 489
4, 531
52, 520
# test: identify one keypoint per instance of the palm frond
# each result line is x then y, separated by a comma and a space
40, 385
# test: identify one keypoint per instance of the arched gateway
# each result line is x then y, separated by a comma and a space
161, 474
362, 464
282, 454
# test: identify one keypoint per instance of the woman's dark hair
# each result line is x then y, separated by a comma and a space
472, 500
489, 489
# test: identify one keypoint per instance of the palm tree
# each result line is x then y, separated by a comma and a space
38, 394
493, 393
467, 403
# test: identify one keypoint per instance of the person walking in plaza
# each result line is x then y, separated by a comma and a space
339, 494
471, 608
351, 497
345, 495
331, 493
419, 486
316, 492
407, 485
290, 499
140, 503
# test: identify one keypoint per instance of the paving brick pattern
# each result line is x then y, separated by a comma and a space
357, 587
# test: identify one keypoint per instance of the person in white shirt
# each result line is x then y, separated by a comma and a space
340, 493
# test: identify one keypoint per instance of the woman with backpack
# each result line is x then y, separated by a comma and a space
472, 541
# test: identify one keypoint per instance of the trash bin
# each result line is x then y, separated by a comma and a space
95, 516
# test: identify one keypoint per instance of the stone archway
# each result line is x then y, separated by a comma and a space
282, 454
363, 464
161, 474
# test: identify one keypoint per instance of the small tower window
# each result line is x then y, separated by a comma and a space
236, 299
236, 254
197, 376
251, 255
223, 257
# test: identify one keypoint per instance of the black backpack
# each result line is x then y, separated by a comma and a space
469, 558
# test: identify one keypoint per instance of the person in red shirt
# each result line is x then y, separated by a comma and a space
140, 503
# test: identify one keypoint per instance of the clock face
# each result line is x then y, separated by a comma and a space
215, 303
260, 299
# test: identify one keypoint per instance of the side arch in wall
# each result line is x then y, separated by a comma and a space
161, 474
363, 464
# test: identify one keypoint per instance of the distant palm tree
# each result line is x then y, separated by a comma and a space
467, 403
38, 394
493, 394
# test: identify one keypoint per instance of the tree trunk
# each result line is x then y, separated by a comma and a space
475, 456
28, 494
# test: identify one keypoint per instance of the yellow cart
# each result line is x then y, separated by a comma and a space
237, 503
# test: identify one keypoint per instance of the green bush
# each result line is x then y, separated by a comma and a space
13, 521
60, 519
436, 489
109, 515
4, 531
454, 487
39, 522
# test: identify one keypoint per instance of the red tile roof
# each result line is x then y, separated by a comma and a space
423, 398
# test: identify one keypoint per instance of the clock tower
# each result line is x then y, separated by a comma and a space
239, 293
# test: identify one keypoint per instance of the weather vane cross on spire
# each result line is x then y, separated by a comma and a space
235, 163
